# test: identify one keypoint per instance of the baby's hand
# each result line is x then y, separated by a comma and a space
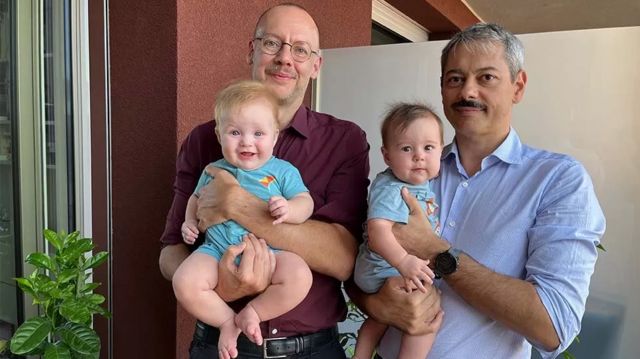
279, 209
190, 231
415, 272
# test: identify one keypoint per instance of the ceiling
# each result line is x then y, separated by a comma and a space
527, 16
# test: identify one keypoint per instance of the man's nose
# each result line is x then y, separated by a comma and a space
284, 55
469, 90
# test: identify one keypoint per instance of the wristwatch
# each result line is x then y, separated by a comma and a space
446, 262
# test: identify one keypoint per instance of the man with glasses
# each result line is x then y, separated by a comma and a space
332, 156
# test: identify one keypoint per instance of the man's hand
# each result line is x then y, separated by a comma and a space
253, 274
417, 236
215, 198
415, 313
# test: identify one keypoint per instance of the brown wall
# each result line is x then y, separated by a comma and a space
143, 137
99, 184
213, 42
168, 59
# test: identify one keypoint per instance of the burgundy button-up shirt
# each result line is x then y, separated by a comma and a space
332, 156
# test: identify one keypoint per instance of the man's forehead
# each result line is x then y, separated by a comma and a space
290, 19
477, 50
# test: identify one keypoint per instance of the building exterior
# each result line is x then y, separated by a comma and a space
95, 99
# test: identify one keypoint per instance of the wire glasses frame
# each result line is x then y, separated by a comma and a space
300, 50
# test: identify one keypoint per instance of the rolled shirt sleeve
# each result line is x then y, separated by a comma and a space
562, 250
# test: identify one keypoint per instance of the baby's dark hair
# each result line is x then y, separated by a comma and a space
402, 114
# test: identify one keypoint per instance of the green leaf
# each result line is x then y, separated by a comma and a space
43, 285
53, 238
80, 338
601, 247
26, 285
103, 312
95, 298
57, 351
89, 287
67, 275
75, 311
30, 335
41, 260
76, 249
71, 237
96, 260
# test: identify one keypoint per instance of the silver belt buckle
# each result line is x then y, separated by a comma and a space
264, 348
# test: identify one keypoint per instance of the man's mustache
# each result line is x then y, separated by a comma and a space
469, 103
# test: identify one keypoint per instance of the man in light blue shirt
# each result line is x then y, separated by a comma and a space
520, 225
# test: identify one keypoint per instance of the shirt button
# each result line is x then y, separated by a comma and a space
452, 224
274, 331
465, 184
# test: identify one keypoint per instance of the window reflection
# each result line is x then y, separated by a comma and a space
8, 290
57, 117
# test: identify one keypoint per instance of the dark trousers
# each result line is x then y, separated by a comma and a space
203, 349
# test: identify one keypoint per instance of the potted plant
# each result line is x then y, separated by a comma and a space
61, 288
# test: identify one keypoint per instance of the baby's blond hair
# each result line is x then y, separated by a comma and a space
239, 94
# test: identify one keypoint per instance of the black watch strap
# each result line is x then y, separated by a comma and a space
446, 263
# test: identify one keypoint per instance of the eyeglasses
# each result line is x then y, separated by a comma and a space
300, 50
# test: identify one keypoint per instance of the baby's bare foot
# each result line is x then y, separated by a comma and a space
249, 322
228, 340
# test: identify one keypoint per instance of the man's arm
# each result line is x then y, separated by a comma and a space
313, 240
509, 300
198, 149
415, 313
170, 258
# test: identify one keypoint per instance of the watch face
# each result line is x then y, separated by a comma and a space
446, 263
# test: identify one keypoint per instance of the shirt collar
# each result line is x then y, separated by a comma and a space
509, 151
300, 122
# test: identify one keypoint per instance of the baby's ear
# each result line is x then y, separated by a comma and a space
385, 155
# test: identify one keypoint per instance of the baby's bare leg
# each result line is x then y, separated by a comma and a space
193, 284
415, 346
368, 337
290, 283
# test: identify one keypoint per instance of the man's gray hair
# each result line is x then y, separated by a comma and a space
482, 37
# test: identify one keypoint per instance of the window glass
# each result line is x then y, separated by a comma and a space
58, 125
8, 290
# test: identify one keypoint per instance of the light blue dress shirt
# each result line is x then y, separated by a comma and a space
528, 214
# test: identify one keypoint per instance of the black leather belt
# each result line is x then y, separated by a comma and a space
271, 347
